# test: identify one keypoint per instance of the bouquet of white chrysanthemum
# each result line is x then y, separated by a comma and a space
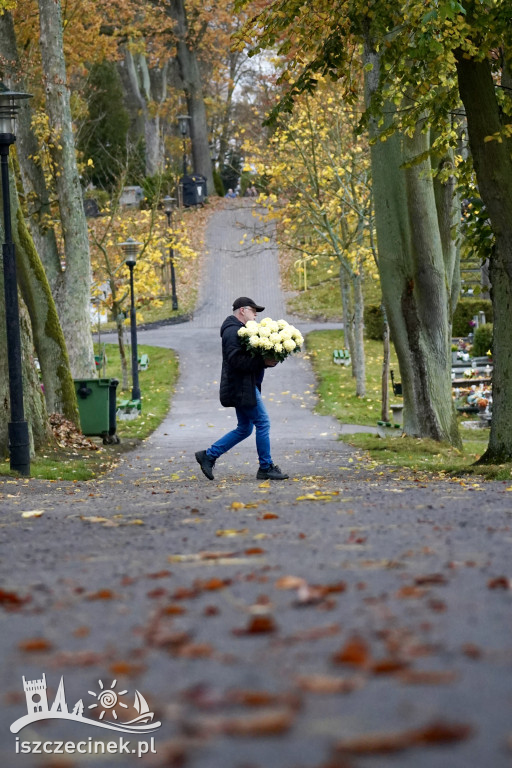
270, 338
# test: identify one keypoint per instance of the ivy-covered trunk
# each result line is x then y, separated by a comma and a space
492, 158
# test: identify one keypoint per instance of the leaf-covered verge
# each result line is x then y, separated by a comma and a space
66, 460
336, 397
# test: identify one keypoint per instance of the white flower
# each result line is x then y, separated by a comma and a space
289, 345
255, 340
278, 347
273, 326
264, 331
285, 333
266, 321
275, 338
252, 326
282, 324
243, 331
265, 343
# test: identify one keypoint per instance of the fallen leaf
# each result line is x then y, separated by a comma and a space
501, 582
382, 743
101, 594
126, 669
35, 645
258, 624
329, 684
232, 532
426, 677
431, 579
290, 582
355, 652
388, 666
12, 601
33, 513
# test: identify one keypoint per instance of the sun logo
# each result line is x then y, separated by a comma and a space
107, 699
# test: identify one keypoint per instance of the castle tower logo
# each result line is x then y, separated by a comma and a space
106, 704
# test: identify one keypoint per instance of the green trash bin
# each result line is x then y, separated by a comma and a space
93, 397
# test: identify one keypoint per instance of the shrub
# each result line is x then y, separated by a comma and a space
373, 322
482, 340
219, 186
465, 310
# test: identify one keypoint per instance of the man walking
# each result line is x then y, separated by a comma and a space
240, 388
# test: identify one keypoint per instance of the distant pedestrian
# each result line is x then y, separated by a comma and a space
240, 388
230, 193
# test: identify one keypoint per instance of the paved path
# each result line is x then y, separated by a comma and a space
382, 601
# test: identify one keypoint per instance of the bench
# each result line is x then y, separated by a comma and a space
128, 409
143, 362
341, 356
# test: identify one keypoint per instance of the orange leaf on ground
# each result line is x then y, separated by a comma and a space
431, 578
388, 666
174, 610
355, 652
499, 583
126, 668
35, 645
258, 625
101, 594
11, 601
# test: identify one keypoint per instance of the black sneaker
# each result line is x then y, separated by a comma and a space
205, 463
271, 473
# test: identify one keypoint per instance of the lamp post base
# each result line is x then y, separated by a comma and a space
19, 447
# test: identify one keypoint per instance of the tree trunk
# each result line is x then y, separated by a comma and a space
493, 166
358, 361
144, 105
415, 279
384, 414
193, 87
49, 341
33, 401
73, 293
34, 184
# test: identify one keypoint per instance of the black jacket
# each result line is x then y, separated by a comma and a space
241, 373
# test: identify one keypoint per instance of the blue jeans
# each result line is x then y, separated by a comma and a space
247, 418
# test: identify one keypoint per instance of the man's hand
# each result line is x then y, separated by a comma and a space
270, 362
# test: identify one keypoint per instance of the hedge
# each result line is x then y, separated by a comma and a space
482, 340
465, 310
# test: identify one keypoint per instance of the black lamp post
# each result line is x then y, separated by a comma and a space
130, 249
183, 121
19, 447
169, 208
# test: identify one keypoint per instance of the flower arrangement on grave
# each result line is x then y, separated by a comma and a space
271, 338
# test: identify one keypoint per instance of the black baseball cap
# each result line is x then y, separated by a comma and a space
245, 301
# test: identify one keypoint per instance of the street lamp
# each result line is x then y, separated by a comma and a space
169, 208
19, 445
130, 249
183, 121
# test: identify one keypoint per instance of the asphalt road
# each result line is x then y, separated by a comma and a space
265, 626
